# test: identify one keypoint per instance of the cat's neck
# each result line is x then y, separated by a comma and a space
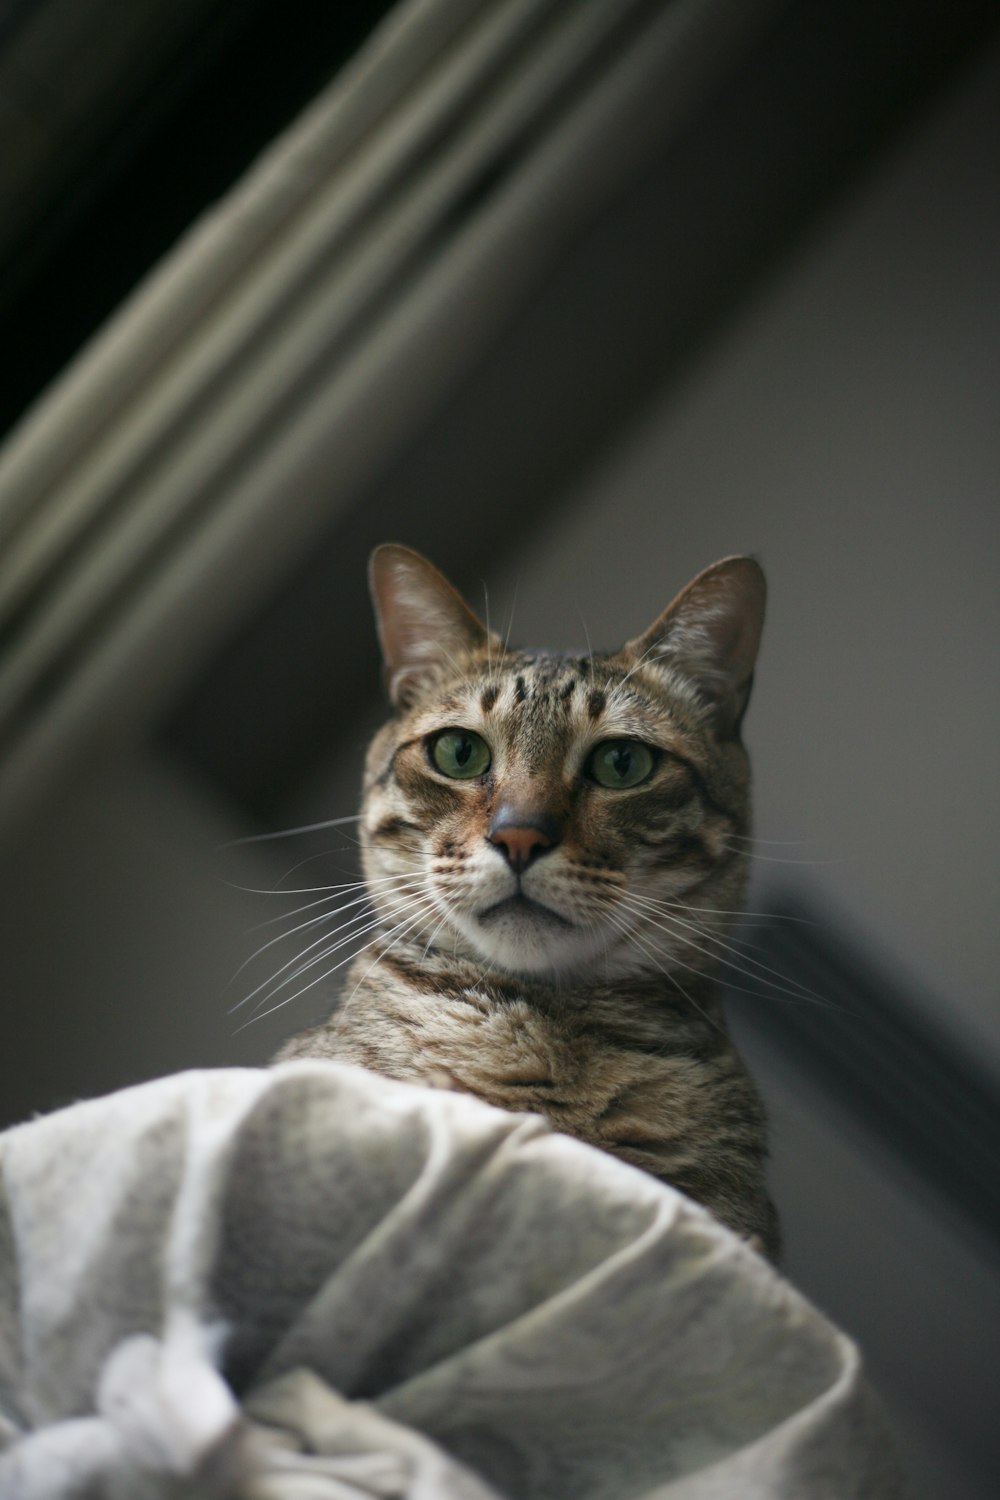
598, 988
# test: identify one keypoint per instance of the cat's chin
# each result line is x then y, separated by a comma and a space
523, 936
519, 914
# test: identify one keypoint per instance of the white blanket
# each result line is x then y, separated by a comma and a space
310, 1283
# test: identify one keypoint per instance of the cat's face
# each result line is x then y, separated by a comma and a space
553, 815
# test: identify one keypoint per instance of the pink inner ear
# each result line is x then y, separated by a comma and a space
729, 634
422, 620
711, 632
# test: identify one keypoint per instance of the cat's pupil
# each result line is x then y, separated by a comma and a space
622, 760
463, 750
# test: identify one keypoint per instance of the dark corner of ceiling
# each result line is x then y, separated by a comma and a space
799, 115
126, 164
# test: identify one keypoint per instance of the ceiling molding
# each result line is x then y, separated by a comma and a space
304, 328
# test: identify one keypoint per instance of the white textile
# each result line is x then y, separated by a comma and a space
310, 1283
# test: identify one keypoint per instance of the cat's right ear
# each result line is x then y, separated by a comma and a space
423, 622
710, 634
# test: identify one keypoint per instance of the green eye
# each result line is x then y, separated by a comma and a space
620, 763
460, 753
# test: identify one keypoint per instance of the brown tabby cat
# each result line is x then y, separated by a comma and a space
554, 846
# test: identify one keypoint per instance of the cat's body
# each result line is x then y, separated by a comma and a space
555, 847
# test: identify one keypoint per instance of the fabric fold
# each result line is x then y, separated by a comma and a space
311, 1283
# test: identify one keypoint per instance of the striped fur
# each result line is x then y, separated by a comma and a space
584, 985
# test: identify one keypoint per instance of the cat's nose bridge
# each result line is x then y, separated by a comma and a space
522, 834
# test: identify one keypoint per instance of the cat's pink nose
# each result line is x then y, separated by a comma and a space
521, 841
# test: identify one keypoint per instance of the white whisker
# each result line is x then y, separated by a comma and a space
368, 919
430, 940
310, 859
637, 664
336, 893
284, 916
633, 937
491, 666
406, 925
746, 838
372, 919
375, 960
323, 916
510, 617
306, 890
289, 833
740, 915
778, 859
798, 992
663, 909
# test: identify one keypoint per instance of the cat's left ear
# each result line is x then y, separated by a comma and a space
423, 622
710, 634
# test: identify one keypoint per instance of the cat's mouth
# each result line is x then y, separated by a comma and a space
520, 906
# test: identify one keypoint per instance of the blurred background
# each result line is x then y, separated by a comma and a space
576, 296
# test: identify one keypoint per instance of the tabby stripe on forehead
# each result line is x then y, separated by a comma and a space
490, 695
597, 702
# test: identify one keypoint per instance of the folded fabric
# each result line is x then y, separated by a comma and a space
310, 1283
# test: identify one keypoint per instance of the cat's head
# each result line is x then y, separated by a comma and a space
552, 815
